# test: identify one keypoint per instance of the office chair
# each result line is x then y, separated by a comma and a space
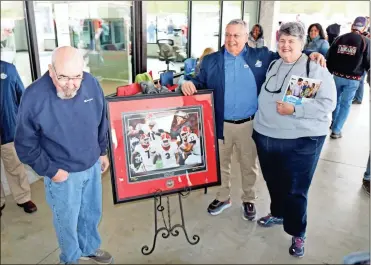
166, 53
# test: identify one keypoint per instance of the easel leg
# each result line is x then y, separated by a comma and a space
167, 228
165, 234
196, 238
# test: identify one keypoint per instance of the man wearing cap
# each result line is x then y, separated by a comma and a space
347, 59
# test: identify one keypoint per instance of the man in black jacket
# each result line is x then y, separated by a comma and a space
347, 59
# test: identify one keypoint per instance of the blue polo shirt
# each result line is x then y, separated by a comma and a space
240, 99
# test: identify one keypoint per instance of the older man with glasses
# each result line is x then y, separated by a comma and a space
62, 134
236, 74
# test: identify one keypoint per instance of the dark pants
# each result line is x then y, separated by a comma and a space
288, 166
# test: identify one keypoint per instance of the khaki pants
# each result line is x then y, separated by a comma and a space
15, 174
238, 136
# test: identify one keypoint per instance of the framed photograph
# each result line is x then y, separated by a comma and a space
162, 143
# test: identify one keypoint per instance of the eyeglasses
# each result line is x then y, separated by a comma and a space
235, 36
283, 82
279, 90
65, 79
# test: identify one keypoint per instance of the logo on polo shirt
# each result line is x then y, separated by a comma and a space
87, 100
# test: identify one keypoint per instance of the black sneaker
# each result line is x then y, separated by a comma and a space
366, 186
335, 135
356, 102
249, 211
217, 207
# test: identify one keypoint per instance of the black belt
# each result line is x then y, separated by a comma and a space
240, 121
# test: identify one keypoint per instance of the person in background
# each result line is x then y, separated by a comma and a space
10, 97
358, 97
256, 37
347, 59
366, 176
207, 51
289, 138
316, 39
151, 32
235, 74
170, 27
62, 133
333, 31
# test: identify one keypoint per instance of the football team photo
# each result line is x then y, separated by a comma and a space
164, 143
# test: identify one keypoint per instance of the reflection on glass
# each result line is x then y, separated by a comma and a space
205, 26
100, 30
167, 35
14, 48
231, 10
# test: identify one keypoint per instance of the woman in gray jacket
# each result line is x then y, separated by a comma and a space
289, 138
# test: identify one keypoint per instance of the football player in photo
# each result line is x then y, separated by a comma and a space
189, 147
149, 127
133, 138
147, 154
167, 151
180, 120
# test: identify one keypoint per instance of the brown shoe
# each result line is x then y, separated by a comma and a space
28, 207
366, 186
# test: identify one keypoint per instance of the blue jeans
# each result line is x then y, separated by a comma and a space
359, 92
367, 172
346, 89
77, 209
288, 166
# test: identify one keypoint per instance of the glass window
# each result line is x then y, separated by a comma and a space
205, 26
167, 35
250, 14
100, 30
14, 45
231, 10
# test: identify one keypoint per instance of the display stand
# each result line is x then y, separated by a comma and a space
168, 229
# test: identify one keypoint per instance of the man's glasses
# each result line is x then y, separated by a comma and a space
235, 36
66, 79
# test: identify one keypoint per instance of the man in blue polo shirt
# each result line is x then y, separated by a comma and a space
236, 74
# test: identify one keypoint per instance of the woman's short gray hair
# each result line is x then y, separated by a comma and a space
239, 22
295, 29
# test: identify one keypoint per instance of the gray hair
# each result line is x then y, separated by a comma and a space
295, 29
239, 22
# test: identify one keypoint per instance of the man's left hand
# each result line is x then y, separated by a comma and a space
104, 163
285, 108
316, 56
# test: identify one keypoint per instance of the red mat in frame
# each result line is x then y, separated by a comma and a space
138, 129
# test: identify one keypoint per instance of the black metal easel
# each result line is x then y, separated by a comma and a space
168, 229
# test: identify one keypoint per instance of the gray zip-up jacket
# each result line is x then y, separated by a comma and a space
312, 118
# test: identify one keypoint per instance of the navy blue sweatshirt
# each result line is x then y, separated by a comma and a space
54, 133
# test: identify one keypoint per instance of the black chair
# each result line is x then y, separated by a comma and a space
166, 53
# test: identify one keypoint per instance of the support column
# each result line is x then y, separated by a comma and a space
268, 19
